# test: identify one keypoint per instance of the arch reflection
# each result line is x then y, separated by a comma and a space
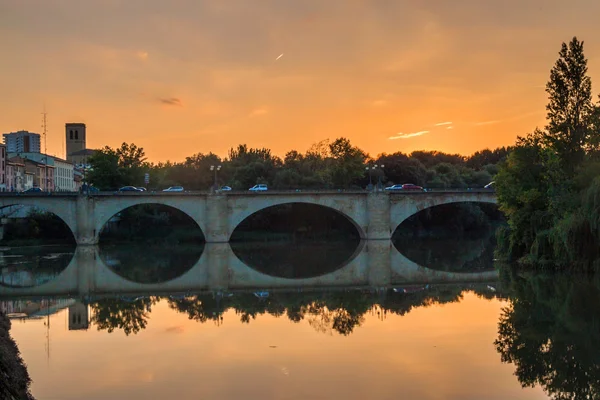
150, 264
26, 267
458, 237
296, 260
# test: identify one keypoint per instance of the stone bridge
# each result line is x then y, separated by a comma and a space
375, 215
375, 264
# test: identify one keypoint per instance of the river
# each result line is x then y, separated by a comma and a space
282, 321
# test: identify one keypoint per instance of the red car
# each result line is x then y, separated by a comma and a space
410, 186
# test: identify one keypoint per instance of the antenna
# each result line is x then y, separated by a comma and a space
45, 148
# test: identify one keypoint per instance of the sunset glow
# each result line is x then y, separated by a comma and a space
190, 76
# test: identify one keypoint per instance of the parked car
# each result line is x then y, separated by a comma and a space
394, 187
225, 189
33, 190
174, 189
410, 186
129, 189
259, 188
143, 189
490, 185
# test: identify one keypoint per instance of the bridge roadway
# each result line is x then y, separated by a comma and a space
374, 264
375, 215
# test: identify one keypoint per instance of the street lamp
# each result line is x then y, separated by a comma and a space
370, 168
216, 169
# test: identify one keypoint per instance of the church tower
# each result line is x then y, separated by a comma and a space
75, 138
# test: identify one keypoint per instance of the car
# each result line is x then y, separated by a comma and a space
394, 187
143, 189
174, 189
490, 185
225, 189
129, 189
410, 186
33, 190
261, 187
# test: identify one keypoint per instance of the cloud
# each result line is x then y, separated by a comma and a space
174, 329
171, 101
443, 123
379, 103
278, 57
401, 135
487, 123
450, 127
142, 55
258, 112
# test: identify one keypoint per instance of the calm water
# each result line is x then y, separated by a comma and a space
426, 334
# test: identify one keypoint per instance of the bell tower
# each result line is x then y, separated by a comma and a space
75, 139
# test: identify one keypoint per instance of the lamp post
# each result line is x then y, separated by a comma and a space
370, 168
216, 169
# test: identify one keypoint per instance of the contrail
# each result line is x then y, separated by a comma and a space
281, 55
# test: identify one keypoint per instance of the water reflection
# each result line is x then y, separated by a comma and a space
150, 264
33, 266
551, 333
451, 255
340, 311
306, 259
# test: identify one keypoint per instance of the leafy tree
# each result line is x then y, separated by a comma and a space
113, 168
570, 108
549, 199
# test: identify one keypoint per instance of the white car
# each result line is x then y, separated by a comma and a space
259, 188
395, 187
174, 189
225, 189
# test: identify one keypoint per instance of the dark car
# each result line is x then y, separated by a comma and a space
410, 186
129, 189
33, 190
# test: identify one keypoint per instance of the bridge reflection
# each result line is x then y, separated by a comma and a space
374, 264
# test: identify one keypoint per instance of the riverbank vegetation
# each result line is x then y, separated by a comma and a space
14, 378
325, 165
549, 186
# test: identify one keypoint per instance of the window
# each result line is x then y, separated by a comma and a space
76, 135
71, 134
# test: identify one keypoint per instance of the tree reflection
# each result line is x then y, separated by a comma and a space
339, 312
327, 312
551, 332
131, 316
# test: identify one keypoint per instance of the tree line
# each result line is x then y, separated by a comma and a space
549, 186
336, 164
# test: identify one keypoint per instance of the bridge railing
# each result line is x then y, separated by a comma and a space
243, 192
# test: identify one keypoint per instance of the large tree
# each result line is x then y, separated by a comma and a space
570, 105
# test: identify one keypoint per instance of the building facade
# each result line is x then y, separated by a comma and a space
16, 180
3, 183
22, 142
63, 175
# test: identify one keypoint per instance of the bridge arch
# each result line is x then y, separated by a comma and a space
105, 209
63, 208
351, 207
403, 206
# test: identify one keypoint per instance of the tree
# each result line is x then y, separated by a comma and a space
347, 163
113, 168
570, 106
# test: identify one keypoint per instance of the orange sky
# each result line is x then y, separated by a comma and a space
185, 76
